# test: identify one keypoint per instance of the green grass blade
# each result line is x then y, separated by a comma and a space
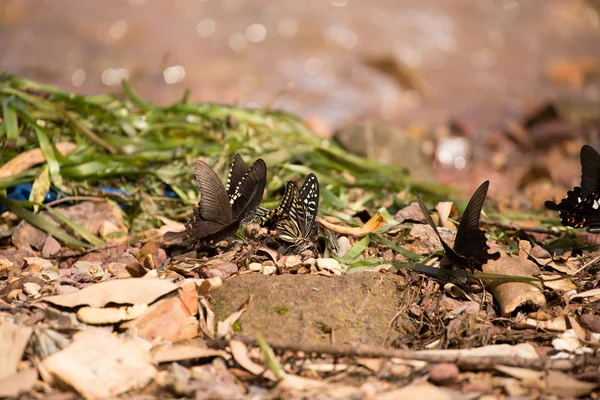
40, 223
84, 233
386, 242
135, 97
48, 152
11, 123
356, 250
269, 355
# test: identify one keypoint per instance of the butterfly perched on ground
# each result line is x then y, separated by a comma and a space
221, 210
470, 246
581, 207
294, 218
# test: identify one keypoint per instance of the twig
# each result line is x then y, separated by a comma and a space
520, 228
472, 362
91, 135
585, 266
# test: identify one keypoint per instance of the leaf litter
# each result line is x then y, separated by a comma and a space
91, 302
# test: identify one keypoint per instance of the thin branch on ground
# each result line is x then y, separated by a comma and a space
477, 362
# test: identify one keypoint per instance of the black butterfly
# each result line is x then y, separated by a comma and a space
470, 246
268, 218
581, 207
294, 218
221, 210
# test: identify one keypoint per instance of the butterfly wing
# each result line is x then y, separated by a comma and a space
590, 171
287, 225
250, 191
237, 173
309, 196
268, 218
471, 242
577, 211
212, 213
214, 203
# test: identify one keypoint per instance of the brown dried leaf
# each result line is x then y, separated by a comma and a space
558, 285
119, 291
223, 327
444, 209
167, 319
29, 158
423, 390
239, 351
206, 318
412, 212
189, 296
110, 315
13, 339
19, 382
100, 364
555, 325
562, 385
372, 225
593, 294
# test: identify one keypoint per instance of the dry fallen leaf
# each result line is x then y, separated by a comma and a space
372, 225
100, 364
167, 319
110, 315
29, 158
555, 325
593, 295
444, 209
206, 318
223, 327
562, 385
419, 391
412, 212
554, 382
553, 281
188, 295
239, 351
19, 382
118, 291
13, 339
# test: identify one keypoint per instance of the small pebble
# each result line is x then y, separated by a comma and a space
256, 267
269, 270
443, 373
479, 387
51, 247
540, 252
293, 261
591, 322
84, 266
330, 264
31, 289
310, 261
343, 246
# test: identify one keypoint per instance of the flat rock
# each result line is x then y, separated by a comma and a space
305, 308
